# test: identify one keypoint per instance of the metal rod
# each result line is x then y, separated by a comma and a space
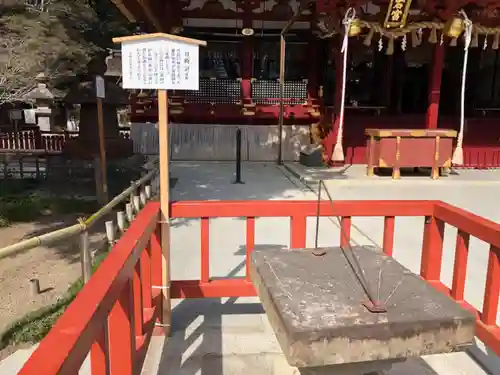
238, 157
352, 259
316, 238
282, 93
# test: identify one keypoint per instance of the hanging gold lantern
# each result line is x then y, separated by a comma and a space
355, 27
454, 27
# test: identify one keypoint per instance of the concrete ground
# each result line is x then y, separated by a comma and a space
233, 336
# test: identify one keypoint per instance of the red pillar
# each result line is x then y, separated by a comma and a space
314, 67
247, 59
246, 68
432, 117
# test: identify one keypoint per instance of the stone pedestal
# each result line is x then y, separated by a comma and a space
362, 368
315, 305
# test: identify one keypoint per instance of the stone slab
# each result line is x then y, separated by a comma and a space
315, 305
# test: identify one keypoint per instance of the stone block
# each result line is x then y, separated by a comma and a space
312, 156
315, 305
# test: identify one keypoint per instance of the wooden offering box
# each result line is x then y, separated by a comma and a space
409, 148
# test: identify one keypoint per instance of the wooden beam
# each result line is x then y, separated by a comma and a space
230, 15
130, 9
154, 13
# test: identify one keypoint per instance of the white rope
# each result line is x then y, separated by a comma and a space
338, 151
458, 153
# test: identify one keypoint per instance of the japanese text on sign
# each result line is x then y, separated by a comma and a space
397, 13
160, 64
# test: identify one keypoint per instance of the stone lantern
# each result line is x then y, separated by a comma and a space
84, 93
43, 99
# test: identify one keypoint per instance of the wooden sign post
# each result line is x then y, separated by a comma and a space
100, 93
161, 62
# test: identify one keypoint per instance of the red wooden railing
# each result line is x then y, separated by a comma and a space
36, 140
114, 315
126, 277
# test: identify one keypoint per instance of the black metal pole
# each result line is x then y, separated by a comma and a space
238, 157
282, 104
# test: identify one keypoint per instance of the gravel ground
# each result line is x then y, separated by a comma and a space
56, 267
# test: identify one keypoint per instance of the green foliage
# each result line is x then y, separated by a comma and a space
57, 41
34, 326
30, 208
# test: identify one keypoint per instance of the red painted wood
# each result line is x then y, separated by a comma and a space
460, 266
490, 335
138, 318
145, 262
108, 295
68, 343
345, 231
298, 225
388, 239
205, 249
157, 268
197, 209
492, 290
98, 354
214, 289
477, 226
314, 68
435, 87
250, 244
432, 250
121, 338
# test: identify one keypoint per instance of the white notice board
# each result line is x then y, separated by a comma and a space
160, 63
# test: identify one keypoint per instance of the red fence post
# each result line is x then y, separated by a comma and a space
490, 305
345, 231
388, 239
145, 262
137, 300
250, 244
432, 249
121, 342
98, 354
205, 249
298, 226
460, 266
156, 272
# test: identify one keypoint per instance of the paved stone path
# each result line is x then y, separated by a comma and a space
232, 336
237, 318
212, 181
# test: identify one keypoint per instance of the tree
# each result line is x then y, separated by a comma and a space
53, 37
